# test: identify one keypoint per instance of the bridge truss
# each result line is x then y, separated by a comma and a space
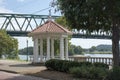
22, 24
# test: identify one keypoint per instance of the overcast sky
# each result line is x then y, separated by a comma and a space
33, 7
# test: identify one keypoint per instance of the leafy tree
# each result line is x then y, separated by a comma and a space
8, 46
72, 50
24, 51
78, 50
104, 47
75, 50
93, 48
94, 15
62, 21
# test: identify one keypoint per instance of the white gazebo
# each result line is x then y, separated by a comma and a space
50, 31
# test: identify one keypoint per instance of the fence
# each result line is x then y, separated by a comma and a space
106, 60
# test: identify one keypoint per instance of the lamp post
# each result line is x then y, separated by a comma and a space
27, 50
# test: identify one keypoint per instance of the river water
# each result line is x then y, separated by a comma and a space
24, 57
99, 55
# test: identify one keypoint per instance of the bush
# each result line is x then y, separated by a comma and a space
50, 64
89, 72
79, 69
97, 73
64, 65
114, 74
102, 65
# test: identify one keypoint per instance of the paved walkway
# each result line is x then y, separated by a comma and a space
12, 76
20, 68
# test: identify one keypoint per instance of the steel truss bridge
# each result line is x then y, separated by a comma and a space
22, 24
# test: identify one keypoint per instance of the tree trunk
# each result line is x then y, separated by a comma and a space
115, 44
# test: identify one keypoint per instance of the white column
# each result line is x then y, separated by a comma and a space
66, 48
62, 48
35, 51
52, 48
41, 50
48, 48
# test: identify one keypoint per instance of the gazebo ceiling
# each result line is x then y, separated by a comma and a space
50, 27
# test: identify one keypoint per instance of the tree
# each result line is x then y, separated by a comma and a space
73, 50
8, 46
62, 21
24, 51
94, 15
92, 49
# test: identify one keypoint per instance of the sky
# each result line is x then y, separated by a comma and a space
33, 7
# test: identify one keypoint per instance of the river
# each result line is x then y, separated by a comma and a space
24, 57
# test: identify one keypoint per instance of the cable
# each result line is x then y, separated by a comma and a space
41, 10
52, 4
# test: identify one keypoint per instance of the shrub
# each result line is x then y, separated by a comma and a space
79, 71
50, 64
102, 65
55, 64
89, 72
64, 65
97, 73
114, 74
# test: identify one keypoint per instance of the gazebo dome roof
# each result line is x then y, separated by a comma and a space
50, 27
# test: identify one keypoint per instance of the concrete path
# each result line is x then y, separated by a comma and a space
14, 70
19, 67
12, 76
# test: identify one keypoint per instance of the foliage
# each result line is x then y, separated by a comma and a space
114, 74
8, 46
64, 65
94, 16
62, 21
90, 73
72, 49
97, 73
89, 15
101, 65
104, 47
24, 51
93, 48
100, 49
79, 69
75, 50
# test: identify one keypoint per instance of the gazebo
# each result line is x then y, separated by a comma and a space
50, 31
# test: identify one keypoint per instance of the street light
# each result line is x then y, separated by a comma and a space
27, 49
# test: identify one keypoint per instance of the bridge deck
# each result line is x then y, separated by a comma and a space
22, 24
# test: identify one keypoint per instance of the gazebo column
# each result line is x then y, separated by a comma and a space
52, 48
66, 48
35, 51
48, 48
62, 48
41, 50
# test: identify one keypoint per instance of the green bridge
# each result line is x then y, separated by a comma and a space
22, 24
